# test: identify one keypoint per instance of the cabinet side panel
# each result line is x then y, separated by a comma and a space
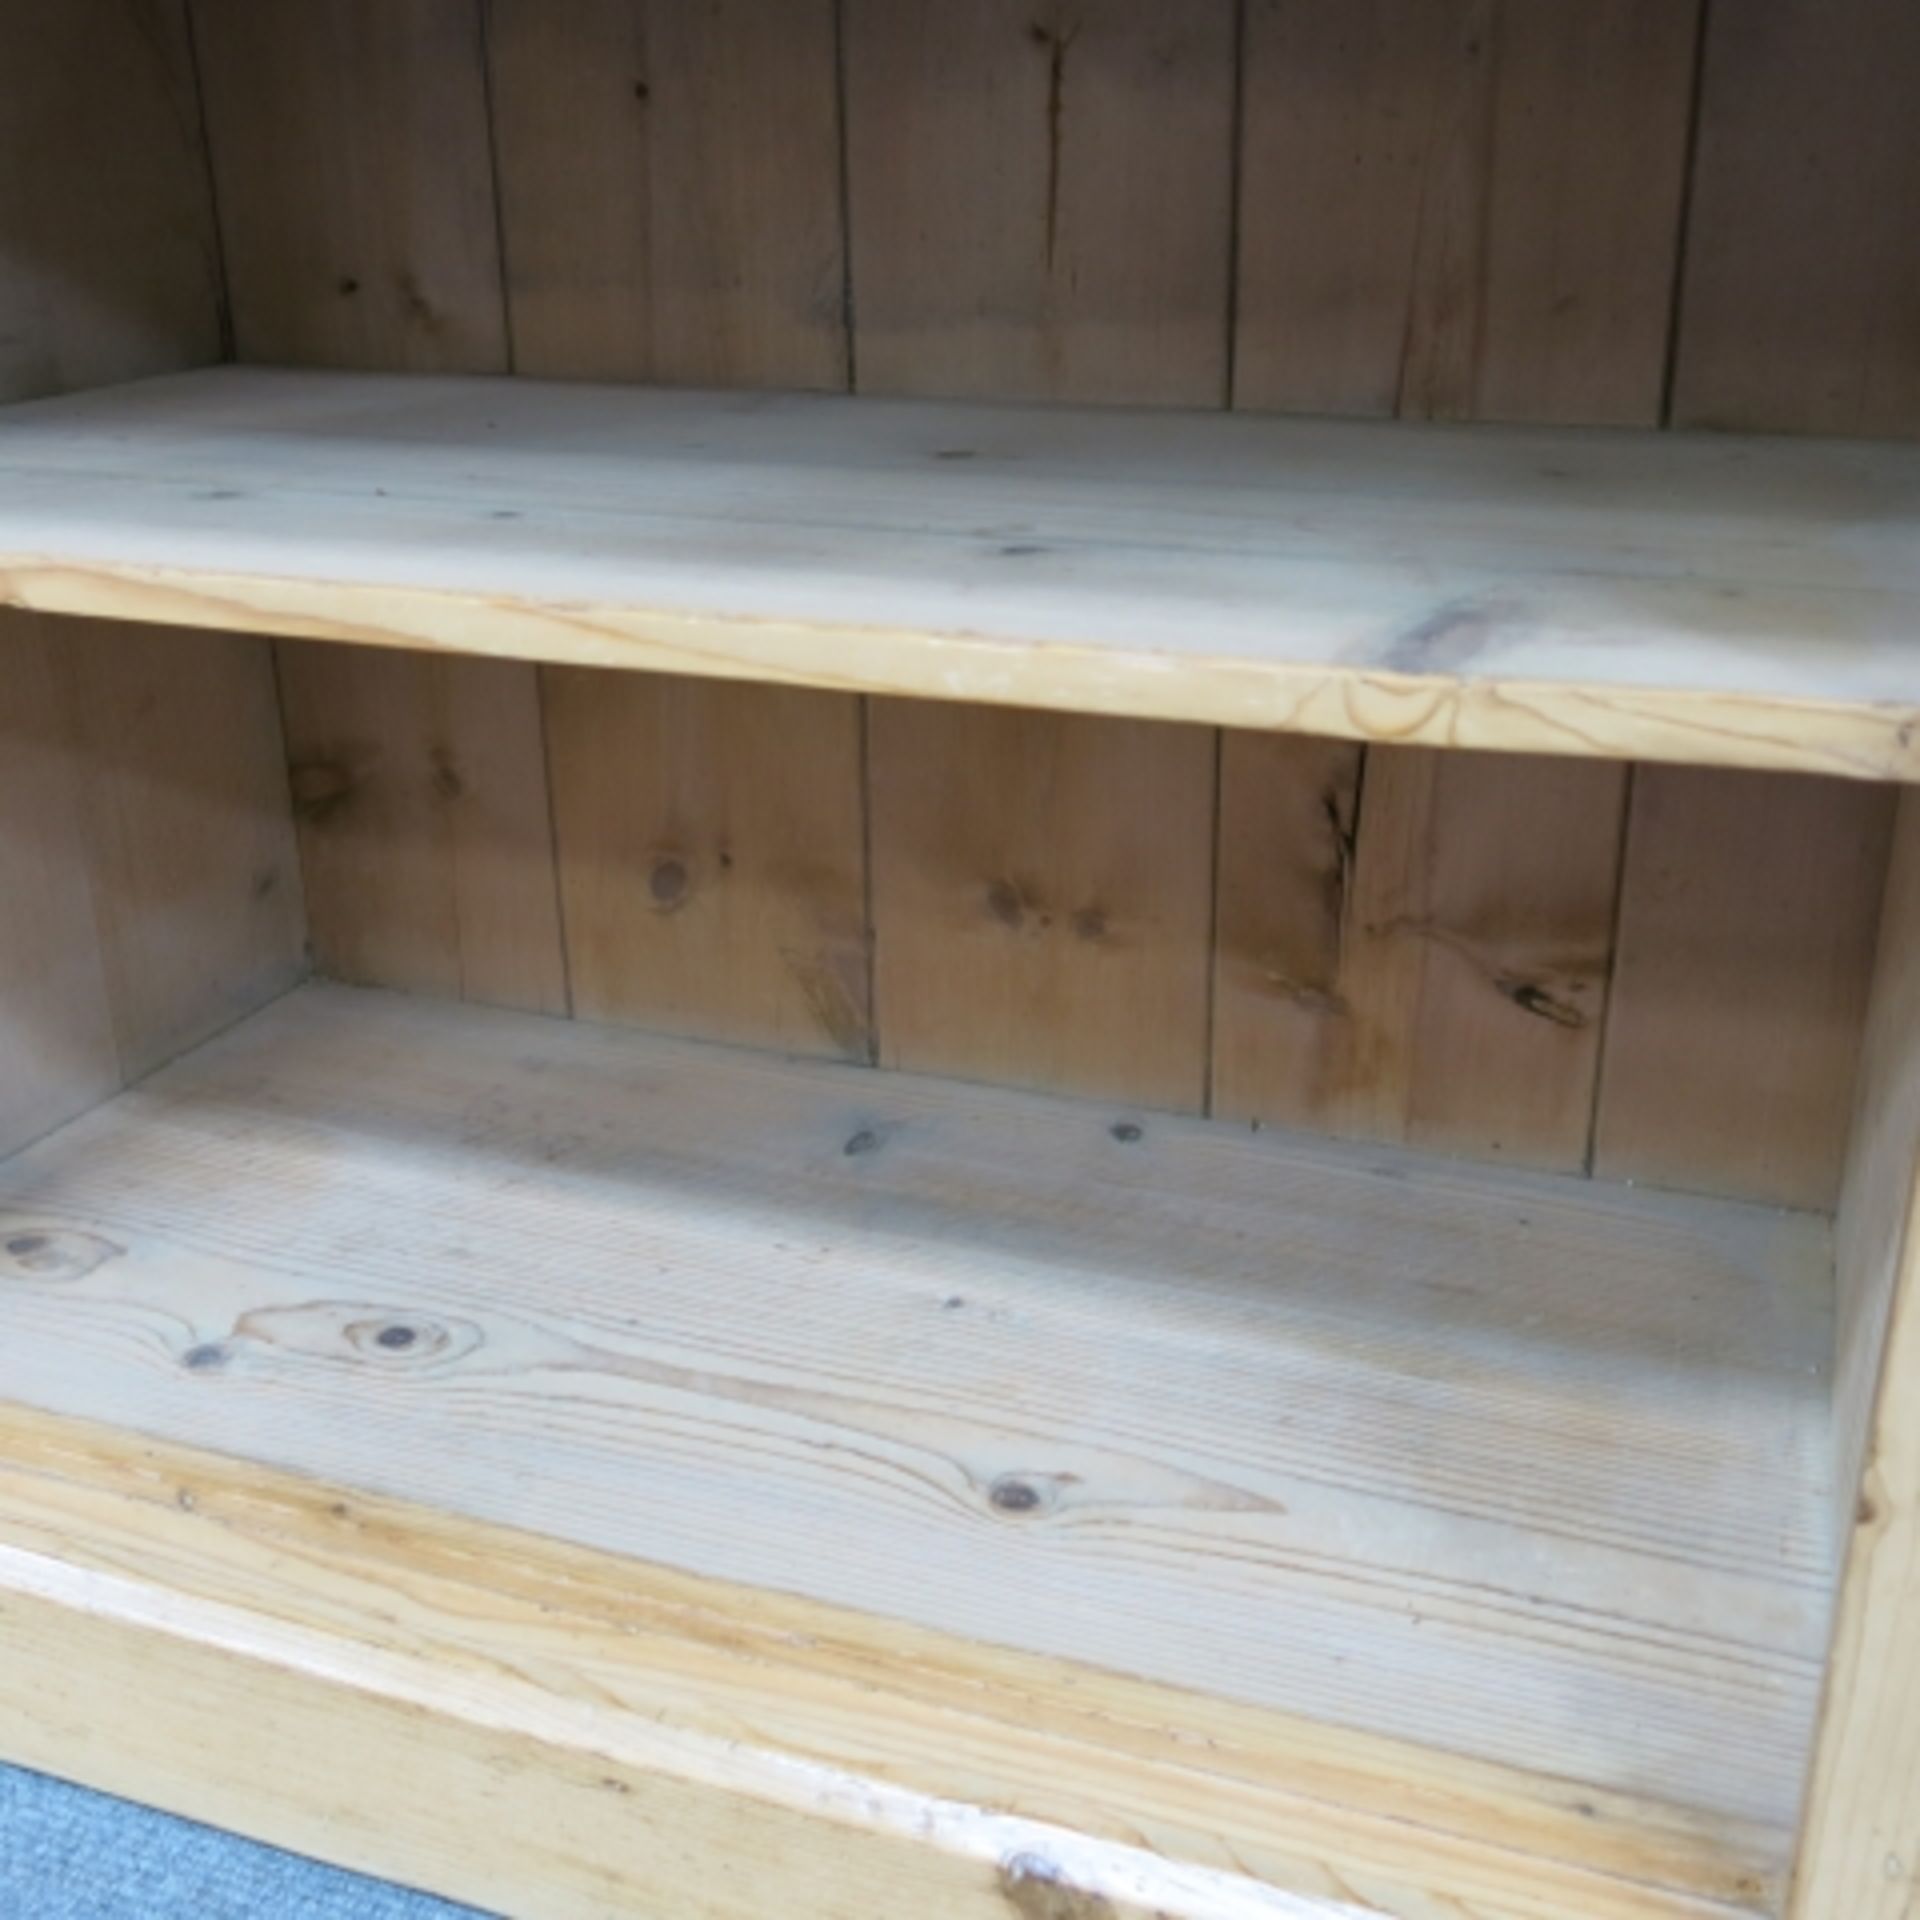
1860, 1847
1748, 917
353, 157
109, 268
57, 1054
1802, 296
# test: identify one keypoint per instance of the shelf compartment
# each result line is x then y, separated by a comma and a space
1528, 1475
1746, 602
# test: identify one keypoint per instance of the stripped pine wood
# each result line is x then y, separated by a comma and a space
110, 267
1667, 597
57, 1052
352, 148
1554, 1456
1802, 308
420, 788
1462, 209
350, 154
1860, 1847
1021, 229
1444, 985
710, 847
669, 189
670, 193
1747, 925
1041, 896
340, 1633
196, 876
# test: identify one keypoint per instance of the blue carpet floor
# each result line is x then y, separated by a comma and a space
69, 1855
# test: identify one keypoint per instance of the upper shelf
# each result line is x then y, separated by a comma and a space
1736, 601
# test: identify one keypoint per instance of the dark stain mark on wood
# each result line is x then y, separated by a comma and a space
952, 1303
445, 776
1006, 905
421, 311
1127, 1132
349, 285
321, 790
1445, 642
1056, 42
1036, 1888
1531, 997
1090, 923
863, 1142
266, 883
954, 453
54, 1253
1021, 550
642, 92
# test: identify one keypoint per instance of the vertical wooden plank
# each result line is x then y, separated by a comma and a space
1041, 203
1860, 1840
57, 1054
669, 181
1462, 209
351, 156
1041, 197
420, 787
196, 878
712, 867
1036, 923
1747, 925
1423, 960
109, 269
1802, 308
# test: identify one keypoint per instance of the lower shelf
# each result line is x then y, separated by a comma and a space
1489, 1513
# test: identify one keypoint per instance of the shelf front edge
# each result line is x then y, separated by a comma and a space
1570, 718
520, 1723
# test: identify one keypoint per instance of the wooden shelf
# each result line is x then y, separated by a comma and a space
1480, 1521
1744, 602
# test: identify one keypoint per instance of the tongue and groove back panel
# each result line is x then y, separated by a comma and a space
1455, 209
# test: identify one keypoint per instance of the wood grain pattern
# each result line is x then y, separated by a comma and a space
1802, 308
1424, 962
1042, 892
670, 189
1747, 924
324, 1669
711, 865
352, 161
57, 1052
196, 876
1664, 596
1514, 1466
1860, 1847
420, 786
1462, 209
1023, 227
109, 268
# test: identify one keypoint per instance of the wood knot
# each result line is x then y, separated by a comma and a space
390, 1338
1090, 923
446, 778
208, 1357
863, 1142
1020, 1494
1531, 997
668, 884
53, 1253
320, 789
1128, 1132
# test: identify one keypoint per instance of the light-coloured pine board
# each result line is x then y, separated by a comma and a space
1523, 1468
57, 1052
1748, 914
710, 844
1422, 958
325, 1669
1042, 893
1022, 227
1738, 602
195, 871
351, 157
1860, 1849
420, 787
1802, 307
108, 264
670, 189
1462, 209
